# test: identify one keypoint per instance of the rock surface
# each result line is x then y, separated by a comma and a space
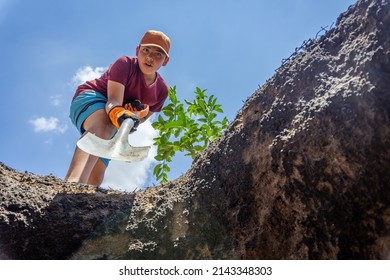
303, 172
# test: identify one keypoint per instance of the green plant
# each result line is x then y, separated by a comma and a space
188, 130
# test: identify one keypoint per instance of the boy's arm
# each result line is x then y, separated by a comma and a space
114, 106
115, 93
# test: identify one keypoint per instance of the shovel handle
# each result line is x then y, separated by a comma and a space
135, 122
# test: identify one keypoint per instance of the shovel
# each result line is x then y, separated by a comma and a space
117, 148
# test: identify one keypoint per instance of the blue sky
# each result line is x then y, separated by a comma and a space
47, 47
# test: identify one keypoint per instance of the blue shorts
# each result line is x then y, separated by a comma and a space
83, 106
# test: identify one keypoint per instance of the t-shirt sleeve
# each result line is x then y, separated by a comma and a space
119, 71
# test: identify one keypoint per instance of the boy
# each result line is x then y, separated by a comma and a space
131, 87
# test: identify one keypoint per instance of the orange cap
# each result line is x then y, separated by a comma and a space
156, 39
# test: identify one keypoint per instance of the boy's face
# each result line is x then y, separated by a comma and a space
150, 59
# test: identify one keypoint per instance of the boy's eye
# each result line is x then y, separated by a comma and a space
154, 54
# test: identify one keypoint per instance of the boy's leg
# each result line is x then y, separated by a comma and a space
97, 174
83, 165
80, 167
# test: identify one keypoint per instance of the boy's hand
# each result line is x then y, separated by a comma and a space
138, 108
118, 114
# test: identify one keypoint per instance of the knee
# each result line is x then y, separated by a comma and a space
99, 124
103, 130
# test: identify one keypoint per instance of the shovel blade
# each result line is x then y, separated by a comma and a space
117, 148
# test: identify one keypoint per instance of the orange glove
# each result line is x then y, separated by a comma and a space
118, 114
141, 110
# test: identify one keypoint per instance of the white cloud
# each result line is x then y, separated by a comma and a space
56, 100
43, 124
87, 73
130, 176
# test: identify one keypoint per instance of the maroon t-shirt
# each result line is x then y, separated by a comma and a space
125, 70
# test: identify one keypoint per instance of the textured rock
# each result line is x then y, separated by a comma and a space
303, 172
